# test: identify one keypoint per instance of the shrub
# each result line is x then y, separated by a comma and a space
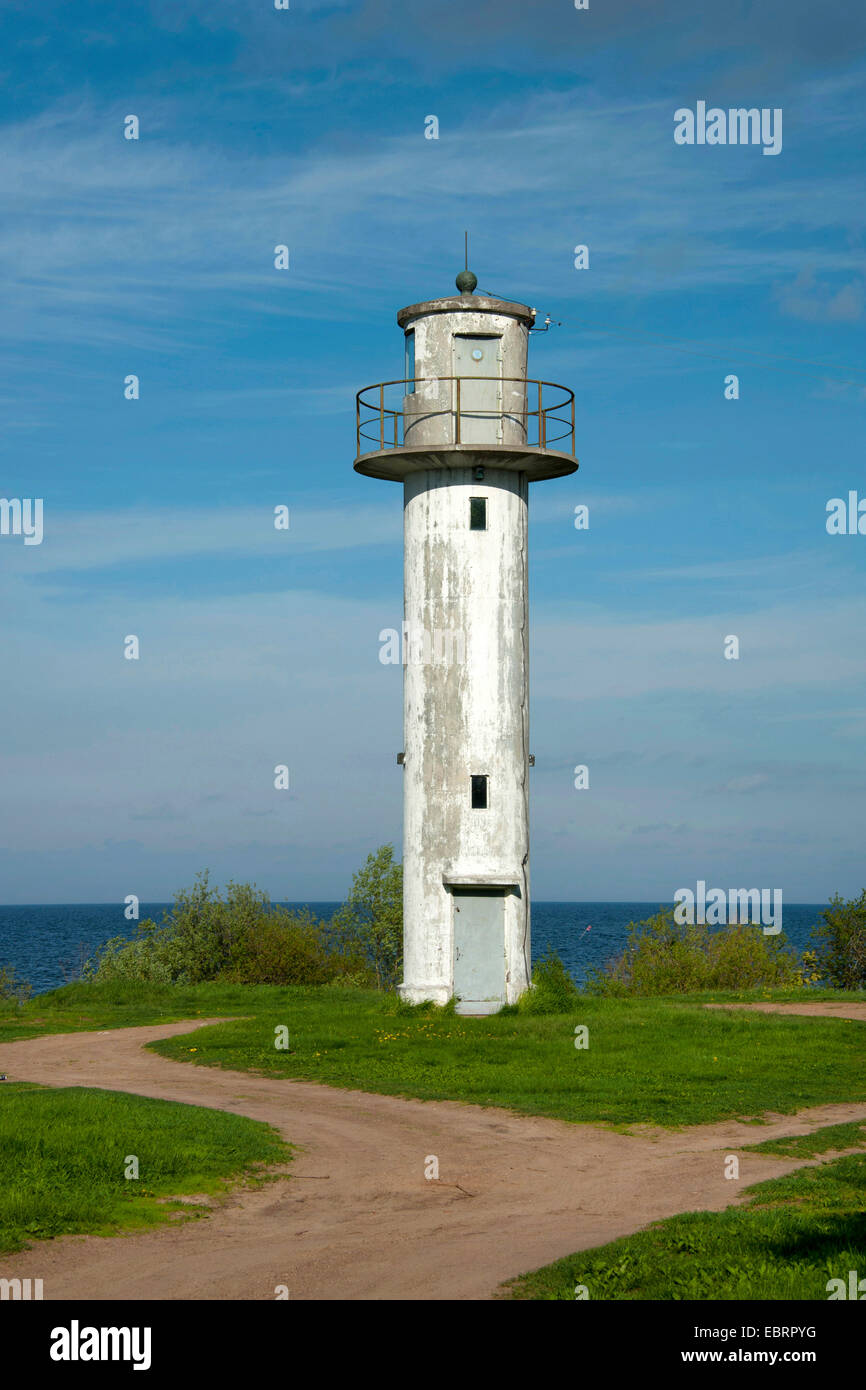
12, 986
840, 950
290, 948
242, 938
284, 949
193, 943
552, 991
370, 922
138, 961
667, 957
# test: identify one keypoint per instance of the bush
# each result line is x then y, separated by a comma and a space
369, 925
289, 948
552, 991
242, 938
193, 943
667, 957
281, 950
840, 951
12, 986
139, 961
741, 957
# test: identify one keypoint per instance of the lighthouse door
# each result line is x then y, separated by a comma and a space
480, 411
479, 949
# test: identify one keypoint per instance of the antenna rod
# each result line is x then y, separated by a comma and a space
465, 250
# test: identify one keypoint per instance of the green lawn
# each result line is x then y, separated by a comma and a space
664, 1061
794, 1235
63, 1155
659, 1061
87, 1007
820, 1141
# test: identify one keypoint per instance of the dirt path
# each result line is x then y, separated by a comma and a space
357, 1219
831, 1009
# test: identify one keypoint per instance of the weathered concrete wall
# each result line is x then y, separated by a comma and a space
465, 713
466, 677
466, 674
429, 410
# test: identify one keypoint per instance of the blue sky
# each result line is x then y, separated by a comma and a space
707, 516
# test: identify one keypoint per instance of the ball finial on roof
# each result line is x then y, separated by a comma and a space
466, 281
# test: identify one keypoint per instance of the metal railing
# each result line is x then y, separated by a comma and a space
385, 422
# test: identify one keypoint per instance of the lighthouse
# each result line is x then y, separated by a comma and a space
465, 432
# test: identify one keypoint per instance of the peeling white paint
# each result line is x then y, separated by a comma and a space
469, 717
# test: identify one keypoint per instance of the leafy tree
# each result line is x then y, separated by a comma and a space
370, 922
840, 950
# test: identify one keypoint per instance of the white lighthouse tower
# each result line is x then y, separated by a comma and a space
465, 432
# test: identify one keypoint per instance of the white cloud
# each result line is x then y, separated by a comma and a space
173, 220
97, 540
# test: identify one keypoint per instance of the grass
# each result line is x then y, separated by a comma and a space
665, 1061
87, 1007
649, 1061
820, 1141
794, 1235
64, 1152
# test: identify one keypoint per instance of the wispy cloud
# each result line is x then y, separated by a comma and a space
101, 540
180, 216
817, 302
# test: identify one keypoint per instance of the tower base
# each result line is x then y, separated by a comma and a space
424, 994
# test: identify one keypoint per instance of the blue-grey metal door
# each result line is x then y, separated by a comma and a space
479, 947
480, 400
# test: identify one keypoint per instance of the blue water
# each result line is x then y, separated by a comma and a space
46, 944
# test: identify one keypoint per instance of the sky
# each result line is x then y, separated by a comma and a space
707, 516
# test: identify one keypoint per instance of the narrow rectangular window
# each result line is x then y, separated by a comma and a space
477, 513
410, 361
479, 793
